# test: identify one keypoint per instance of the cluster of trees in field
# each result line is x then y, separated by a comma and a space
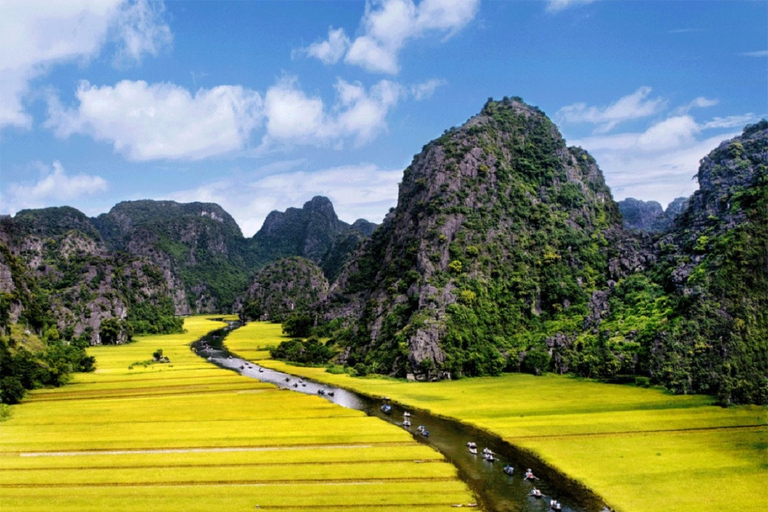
29, 362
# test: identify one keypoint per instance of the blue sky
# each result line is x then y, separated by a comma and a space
260, 105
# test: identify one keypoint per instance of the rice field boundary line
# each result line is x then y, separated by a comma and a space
643, 432
133, 395
260, 419
210, 449
235, 465
221, 483
106, 380
169, 387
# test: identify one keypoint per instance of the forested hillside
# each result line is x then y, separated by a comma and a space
506, 252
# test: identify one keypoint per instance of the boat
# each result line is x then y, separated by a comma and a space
406, 423
508, 469
555, 505
471, 444
321, 391
386, 409
473, 451
261, 370
331, 393
536, 493
529, 475
407, 414
489, 457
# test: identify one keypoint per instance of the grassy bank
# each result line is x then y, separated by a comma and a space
640, 449
189, 436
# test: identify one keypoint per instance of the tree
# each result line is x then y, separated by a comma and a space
110, 331
298, 325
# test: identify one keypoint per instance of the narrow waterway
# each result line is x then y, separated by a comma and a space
496, 491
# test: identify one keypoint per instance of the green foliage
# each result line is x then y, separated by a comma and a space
298, 325
304, 352
48, 365
156, 317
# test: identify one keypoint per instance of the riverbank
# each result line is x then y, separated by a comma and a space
186, 435
642, 450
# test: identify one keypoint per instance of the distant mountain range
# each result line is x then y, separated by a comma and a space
506, 252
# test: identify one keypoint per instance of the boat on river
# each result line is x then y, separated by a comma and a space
386, 409
508, 469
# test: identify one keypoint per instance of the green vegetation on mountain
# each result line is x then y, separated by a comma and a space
500, 236
506, 253
313, 232
284, 287
198, 246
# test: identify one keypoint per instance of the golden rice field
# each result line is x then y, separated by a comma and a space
188, 436
642, 450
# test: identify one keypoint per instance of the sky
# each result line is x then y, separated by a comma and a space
261, 105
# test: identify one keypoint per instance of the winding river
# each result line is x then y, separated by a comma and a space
495, 490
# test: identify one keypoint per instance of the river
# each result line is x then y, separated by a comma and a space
495, 490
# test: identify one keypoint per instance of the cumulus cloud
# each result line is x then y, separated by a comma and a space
386, 27
660, 162
38, 34
161, 121
357, 191
331, 50
633, 106
53, 186
293, 117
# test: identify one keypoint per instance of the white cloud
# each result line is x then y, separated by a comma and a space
700, 102
295, 118
54, 186
559, 5
759, 53
633, 106
38, 34
386, 27
660, 162
731, 121
426, 89
356, 191
329, 51
140, 30
161, 121
670, 133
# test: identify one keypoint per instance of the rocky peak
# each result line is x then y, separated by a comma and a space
649, 215
498, 204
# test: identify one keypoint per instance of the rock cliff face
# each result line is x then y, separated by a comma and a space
146, 260
283, 287
715, 258
313, 232
648, 215
56, 269
499, 227
199, 247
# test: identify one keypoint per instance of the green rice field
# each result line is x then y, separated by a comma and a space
188, 436
642, 450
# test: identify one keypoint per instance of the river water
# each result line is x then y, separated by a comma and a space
495, 490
